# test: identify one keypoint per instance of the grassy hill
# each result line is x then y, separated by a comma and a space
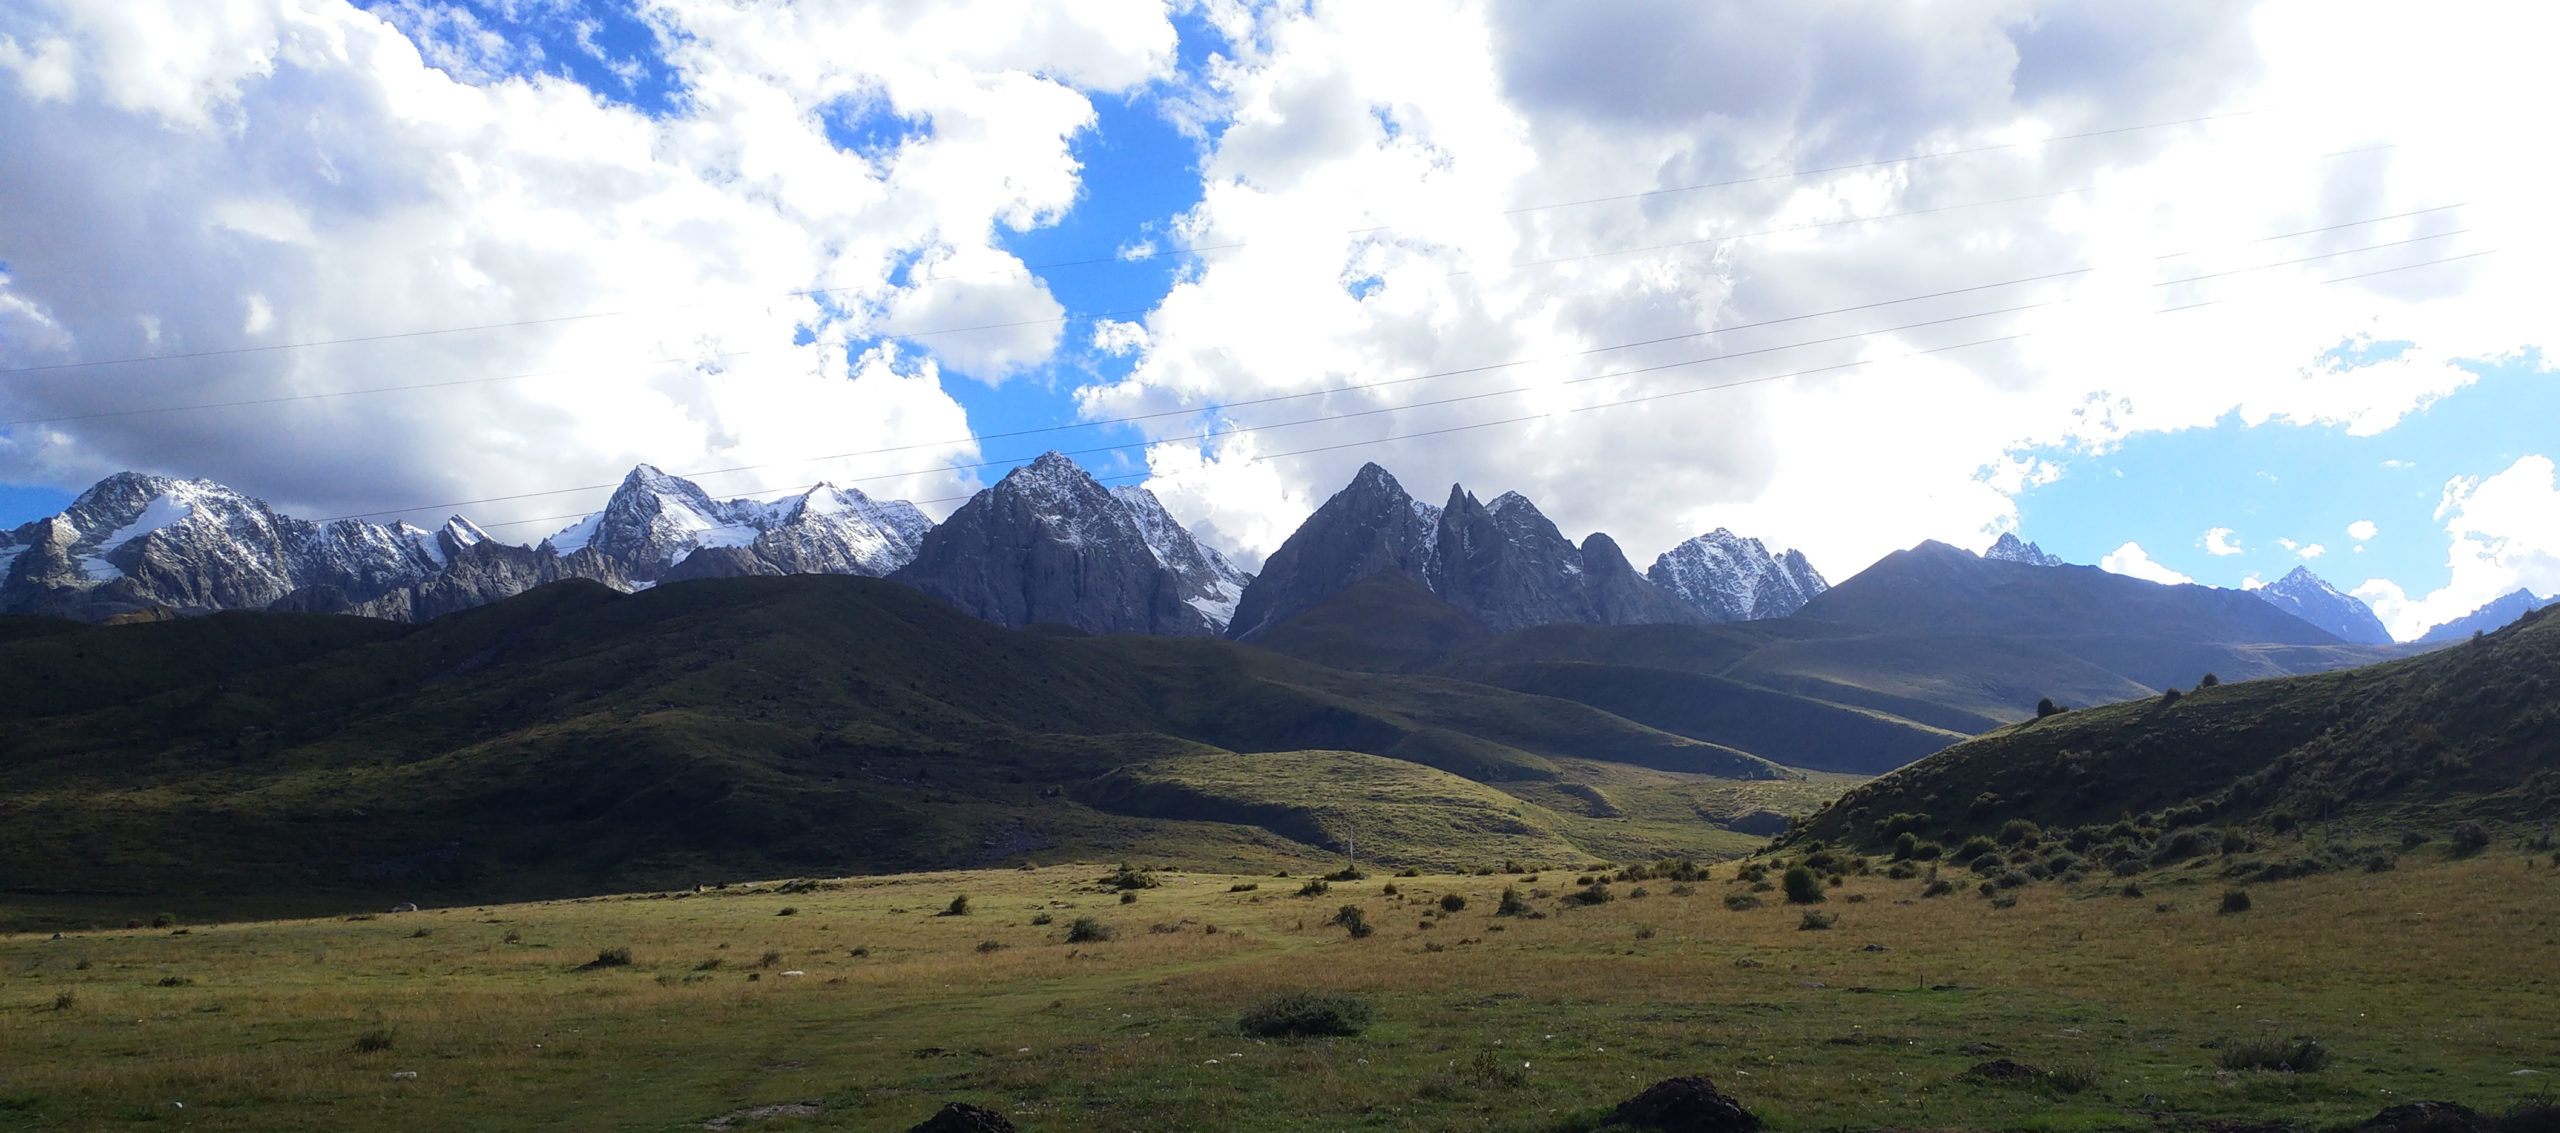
574, 739
2468, 732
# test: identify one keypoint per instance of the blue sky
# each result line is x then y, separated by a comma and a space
2307, 483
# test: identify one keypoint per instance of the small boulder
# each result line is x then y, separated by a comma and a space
1690, 1104
961, 1117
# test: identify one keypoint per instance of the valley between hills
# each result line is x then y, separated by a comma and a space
1964, 841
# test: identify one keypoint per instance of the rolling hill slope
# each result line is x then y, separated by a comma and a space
573, 738
2470, 731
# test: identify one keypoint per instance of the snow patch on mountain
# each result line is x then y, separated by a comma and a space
1735, 579
2009, 549
2309, 597
1211, 584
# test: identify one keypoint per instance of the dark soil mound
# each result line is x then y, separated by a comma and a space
1685, 1105
961, 1117
2429, 1117
2003, 1070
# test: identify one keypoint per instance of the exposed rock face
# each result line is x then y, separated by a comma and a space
135, 542
1504, 563
1049, 543
2009, 549
1733, 579
2495, 615
1372, 525
1208, 582
2309, 597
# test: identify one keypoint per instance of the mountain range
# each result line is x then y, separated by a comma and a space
1047, 543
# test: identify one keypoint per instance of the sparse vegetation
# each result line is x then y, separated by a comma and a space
1308, 1014
2288, 1056
1086, 930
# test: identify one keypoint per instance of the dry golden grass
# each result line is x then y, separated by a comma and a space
2432, 981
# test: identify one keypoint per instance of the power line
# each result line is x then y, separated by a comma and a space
1383, 383
1634, 400
1090, 261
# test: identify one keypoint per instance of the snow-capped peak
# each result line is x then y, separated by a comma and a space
2009, 549
1733, 578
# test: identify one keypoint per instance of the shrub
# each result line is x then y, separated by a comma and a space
1346, 873
2235, 841
1315, 887
1755, 873
1244, 887
2235, 900
1803, 887
374, 1041
2020, 832
1452, 902
1409, 871
1741, 901
1512, 905
1043, 918
990, 945
614, 958
175, 981
2469, 838
1644, 932
1975, 847
707, 965
2131, 889
2208, 681
1684, 890
771, 957
163, 920
1938, 887
2010, 880
1638, 893
1128, 898
1596, 893
1353, 920
787, 911
1087, 930
959, 907
511, 937
1129, 877
1303, 1014
2290, 1056
2170, 695
1816, 921
1905, 846
65, 1000
2046, 707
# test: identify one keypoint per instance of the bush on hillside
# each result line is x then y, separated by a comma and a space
1803, 887
2046, 707
1512, 904
1452, 902
1307, 1014
2235, 900
2469, 838
1086, 930
1353, 920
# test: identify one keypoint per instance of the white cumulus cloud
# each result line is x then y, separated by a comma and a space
2362, 530
2218, 542
189, 178
2132, 561
2503, 534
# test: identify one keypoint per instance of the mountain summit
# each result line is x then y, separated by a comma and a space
1049, 543
1506, 566
2009, 549
2309, 597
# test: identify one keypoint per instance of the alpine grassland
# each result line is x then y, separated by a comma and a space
1063, 1007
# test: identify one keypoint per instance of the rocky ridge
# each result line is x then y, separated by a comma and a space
1506, 565
2309, 597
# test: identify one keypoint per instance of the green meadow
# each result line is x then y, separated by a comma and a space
865, 1003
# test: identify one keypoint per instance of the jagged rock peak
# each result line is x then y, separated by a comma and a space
2309, 597
1734, 579
1370, 526
1048, 543
2009, 549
